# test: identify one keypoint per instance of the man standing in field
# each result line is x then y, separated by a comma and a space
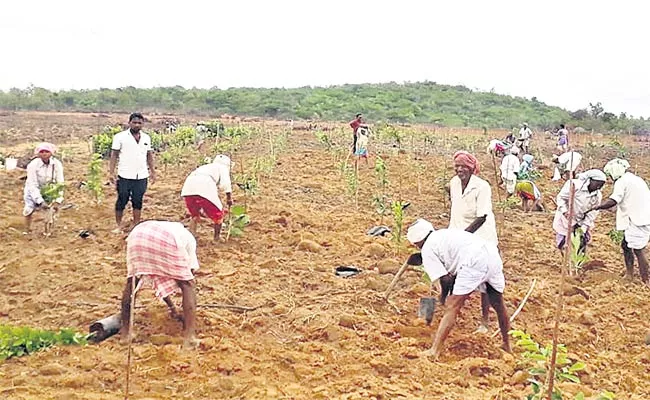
630, 196
136, 166
524, 137
464, 263
509, 168
162, 254
355, 124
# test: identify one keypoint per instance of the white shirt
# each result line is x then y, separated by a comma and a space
509, 167
132, 162
562, 132
582, 201
525, 133
475, 202
446, 250
205, 180
632, 196
40, 174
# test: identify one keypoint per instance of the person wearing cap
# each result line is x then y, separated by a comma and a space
355, 124
631, 197
523, 140
510, 166
43, 170
201, 192
563, 139
132, 152
567, 165
471, 199
526, 165
463, 263
587, 194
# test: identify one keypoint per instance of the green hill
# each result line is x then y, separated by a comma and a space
422, 102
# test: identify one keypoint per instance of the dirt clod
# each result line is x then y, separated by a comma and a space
388, 266
309, 246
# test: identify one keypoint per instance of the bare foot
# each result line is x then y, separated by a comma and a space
124, 338
628, 277
506, 347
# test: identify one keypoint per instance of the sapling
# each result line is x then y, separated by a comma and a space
538, 360
16, 341
352, 180
398, 220
380, 199
94, 180
616, 236
237, 220
578, 257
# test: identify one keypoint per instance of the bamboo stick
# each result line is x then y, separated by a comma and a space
521, 305
395, 279
560, 297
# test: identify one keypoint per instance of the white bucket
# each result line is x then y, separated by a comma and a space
11, 163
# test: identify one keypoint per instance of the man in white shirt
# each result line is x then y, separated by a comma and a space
631, 196
510, 166
463, 262
471, 199
524, 137
201, 192
136, 166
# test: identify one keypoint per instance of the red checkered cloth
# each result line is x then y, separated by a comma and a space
154, 253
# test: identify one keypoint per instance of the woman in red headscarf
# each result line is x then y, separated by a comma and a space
44, 169
471, 207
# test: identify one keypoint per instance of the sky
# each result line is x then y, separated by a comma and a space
566, 53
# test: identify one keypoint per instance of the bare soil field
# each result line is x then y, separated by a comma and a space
313, 335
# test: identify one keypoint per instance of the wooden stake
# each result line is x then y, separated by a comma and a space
128, 357
496, 176
395, 279
560, 297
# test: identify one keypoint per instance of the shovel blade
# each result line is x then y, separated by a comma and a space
427, 307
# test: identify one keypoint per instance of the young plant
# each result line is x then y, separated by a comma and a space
538, 361
237, 221
352, 180
16, 341
51, 192
578, 258
94, 180
247, 183
616, 236
380, 199
324, 139
398, 220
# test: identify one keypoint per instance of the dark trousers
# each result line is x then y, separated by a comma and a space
130, 189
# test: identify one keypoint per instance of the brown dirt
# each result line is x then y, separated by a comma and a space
315, 335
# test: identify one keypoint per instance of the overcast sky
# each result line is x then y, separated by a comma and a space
565, 53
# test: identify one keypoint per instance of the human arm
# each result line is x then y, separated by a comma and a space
225, 184
116, 146
605, 205
152, 166
483, 208
31, 184
111, 165
589, 218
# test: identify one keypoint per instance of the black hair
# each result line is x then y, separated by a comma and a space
136, 115
562, 126
358, 115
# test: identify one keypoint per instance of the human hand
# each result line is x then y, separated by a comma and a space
415, 259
